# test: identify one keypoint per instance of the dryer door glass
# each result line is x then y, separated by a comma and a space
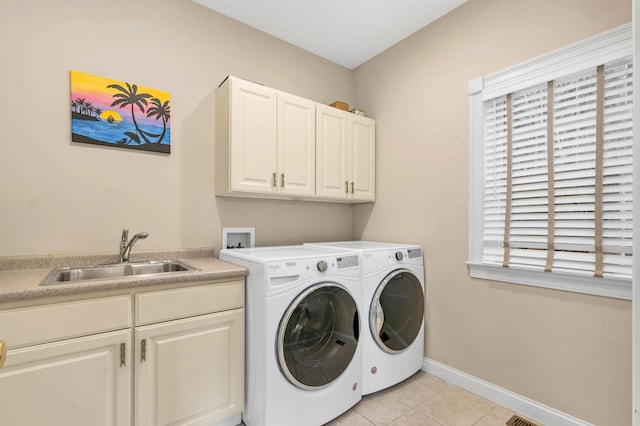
318, 336
397, 310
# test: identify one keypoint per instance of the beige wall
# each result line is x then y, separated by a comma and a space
571, 352
58, 196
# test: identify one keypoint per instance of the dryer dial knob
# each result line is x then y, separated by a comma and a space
322, 266
399, 255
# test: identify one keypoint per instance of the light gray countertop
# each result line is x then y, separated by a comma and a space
20, 276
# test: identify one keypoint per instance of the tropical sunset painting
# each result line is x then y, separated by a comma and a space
114, 113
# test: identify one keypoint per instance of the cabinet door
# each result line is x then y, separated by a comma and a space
192, 370
72, 382
252, 154
296, 145
332, 152
362, 158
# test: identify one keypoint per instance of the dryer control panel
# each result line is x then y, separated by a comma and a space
376, 260
413, 253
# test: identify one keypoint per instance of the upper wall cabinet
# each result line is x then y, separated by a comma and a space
345, 155
246, 152
296, 145
265, 141
270, 144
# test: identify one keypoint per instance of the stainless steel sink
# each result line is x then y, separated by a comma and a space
115, 270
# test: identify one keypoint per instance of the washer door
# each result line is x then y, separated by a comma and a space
397, 310
318, 336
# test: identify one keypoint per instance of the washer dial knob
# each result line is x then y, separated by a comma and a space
322, 266
399, 255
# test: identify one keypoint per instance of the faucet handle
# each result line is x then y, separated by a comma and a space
125, 235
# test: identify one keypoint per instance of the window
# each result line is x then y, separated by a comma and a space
551, 169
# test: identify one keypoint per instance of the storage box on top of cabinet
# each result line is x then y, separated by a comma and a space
273, 144
340, 105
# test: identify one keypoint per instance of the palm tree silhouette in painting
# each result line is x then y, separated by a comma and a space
131, 98
160, 111
83, 110
78, 105
88, 109
81, 103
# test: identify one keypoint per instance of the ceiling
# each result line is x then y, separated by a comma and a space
347, 32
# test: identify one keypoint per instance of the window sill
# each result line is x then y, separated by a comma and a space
606, 287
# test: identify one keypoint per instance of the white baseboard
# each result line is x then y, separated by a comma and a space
514, 402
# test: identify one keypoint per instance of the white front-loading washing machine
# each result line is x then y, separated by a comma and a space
393, 310
303, 354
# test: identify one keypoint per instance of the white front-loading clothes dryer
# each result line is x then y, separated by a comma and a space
303, 354
393, 310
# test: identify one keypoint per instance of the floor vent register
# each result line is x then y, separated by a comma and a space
519, 421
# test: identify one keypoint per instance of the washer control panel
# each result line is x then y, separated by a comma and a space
348, 261
343, 265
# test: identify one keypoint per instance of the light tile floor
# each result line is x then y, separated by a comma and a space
424, 400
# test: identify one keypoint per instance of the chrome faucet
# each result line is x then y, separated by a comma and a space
126, 246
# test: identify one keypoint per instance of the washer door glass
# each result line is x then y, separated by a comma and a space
318, 336
397, 310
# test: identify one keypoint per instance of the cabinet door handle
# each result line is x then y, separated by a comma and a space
123, 354
352, 187
346, 186
143, 350
273, 179
282, 180
3, 353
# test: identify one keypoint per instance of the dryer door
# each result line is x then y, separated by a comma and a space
318, 336
397, 310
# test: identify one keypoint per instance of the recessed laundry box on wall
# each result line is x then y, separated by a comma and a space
238, 238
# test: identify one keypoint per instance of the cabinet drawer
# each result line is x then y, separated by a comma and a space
39, 324
186, 302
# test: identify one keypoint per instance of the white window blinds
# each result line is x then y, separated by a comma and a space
557, 174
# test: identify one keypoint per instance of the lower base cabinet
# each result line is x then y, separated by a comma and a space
188, 370
81, 381
181, 362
